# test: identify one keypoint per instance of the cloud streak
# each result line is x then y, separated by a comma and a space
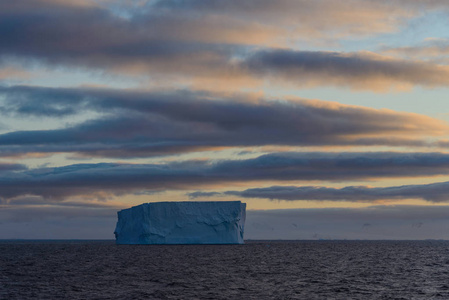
431, 49
435, 192
231, 44
194, 61
104, 180
5, 167
361, 70
139, 124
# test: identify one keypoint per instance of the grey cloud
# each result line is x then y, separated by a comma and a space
435, 192
92, 179
191, 41
306, 18
200, 194
5, 167
139, 193
101, 180
357, 70
29, 201
41, 102
94, 37
166, 21
434, 50
152, 123
423, 4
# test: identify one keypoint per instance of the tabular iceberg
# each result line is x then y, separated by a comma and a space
182, 223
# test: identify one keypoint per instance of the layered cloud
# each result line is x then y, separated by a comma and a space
355, 70
194, 60
11, 167
216, 44
106, 179
435, 192
302, 18
432, 49
142, 124
236, 22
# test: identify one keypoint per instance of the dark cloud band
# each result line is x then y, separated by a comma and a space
435, 192
356, 70
192, 41
139, 124
98, 180
5, 167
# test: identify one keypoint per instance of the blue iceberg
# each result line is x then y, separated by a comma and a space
220, 222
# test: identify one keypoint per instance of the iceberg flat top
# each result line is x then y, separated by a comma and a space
189, 222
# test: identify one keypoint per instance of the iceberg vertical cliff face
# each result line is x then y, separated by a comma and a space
182, 223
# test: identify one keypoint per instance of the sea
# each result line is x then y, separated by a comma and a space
255, 270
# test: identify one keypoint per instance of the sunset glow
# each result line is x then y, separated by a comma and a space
292, 106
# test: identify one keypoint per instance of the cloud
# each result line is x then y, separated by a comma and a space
11, 73
362, 70
101, 181
431, 49
94, 37
435, 192
5, 167
236, 22
141, 124
200, 194
302, 18
196, 43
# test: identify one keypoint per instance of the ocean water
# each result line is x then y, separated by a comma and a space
256, 270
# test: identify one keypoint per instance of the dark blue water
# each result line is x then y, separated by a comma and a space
256, 270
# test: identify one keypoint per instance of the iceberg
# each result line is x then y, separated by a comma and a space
220, 222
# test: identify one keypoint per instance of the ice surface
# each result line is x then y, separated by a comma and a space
182, 223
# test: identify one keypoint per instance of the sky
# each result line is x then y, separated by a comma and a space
328, 118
